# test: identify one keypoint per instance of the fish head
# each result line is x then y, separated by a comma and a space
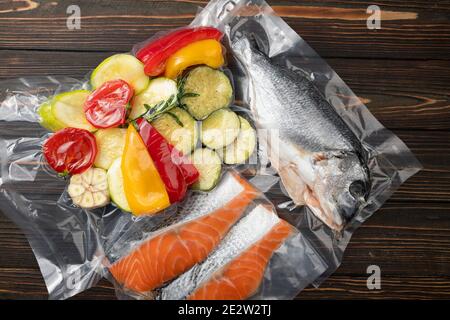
342, 186
244, 49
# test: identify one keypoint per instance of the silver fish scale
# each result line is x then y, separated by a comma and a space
289, 102
245, 233
199, 204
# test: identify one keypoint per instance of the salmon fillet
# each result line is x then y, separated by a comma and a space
236, 267
177, 248
240, 278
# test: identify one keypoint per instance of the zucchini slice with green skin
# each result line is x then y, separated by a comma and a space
110, 144
179, 128
209, 166
205, 91
115, 185
242, 148
220, 128
159, 90
121, 66
68, 109
47, 120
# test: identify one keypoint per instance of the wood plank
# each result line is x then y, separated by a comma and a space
399, 287
396, 237
391, 89
334, 29
408, 238
27, 284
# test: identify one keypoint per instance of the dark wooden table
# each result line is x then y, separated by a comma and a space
401, 71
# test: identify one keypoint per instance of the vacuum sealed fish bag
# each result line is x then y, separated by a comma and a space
158, 171
225, 244
336, 162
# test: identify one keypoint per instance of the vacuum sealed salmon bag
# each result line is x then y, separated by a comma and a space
162, 172
225, 244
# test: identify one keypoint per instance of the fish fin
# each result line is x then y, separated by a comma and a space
301, 193
258, 44
293, 183
322, 156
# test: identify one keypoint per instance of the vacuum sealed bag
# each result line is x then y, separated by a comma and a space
225, 244
335, 163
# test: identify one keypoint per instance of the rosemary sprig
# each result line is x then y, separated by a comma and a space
152, 112
190, 95
182, 91
175, 117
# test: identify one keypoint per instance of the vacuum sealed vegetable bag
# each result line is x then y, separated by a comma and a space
205, 227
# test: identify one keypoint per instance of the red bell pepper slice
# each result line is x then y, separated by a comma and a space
189, 171
160, 152
148, 50
155, 54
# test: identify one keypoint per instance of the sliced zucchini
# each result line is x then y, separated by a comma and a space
115, 185
47, 120
209, 166
68, 109
179, 128
242, 148
124, 67
159, 89
205, 91
220, 128
110, 144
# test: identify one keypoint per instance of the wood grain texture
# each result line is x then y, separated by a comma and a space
389, 88
336, 287
401, 72
395, 238
333, 28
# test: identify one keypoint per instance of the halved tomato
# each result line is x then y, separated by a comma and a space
106, 107
70, 151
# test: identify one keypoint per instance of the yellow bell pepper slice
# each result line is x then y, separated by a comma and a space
207, 52
144, 189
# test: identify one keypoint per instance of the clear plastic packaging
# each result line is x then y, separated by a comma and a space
75, 248
390, 161
234, 198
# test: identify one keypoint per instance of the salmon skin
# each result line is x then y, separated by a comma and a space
236, 268
174, 249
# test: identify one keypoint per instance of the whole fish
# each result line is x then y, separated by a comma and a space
320, 160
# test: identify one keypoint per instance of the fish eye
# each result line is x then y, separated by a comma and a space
357, 189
